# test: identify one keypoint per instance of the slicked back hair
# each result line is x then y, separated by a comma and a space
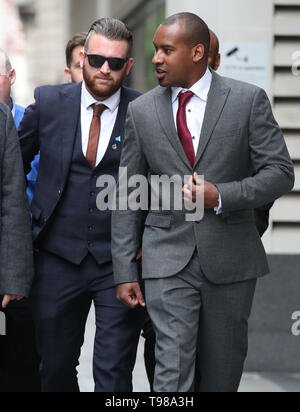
196, 30
112, 29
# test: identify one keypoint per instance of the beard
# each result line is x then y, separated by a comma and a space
102, 91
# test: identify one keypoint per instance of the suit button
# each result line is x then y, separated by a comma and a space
91, 210
90, 228
92, 194
59, 192
90, 244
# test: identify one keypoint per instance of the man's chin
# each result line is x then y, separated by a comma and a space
103, 91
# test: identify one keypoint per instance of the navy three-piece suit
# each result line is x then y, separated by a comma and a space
72, 241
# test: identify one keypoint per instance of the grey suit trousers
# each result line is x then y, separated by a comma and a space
194, 318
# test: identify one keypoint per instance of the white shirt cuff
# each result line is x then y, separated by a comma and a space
218, 209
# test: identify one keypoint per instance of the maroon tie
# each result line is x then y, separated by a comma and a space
95, 128
183, 131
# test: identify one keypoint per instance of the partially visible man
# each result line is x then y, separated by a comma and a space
75, 46
214, 56
19, 362
72, 236
7, 80
16, 258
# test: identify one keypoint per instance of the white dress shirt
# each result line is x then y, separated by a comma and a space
108, 120
195, 111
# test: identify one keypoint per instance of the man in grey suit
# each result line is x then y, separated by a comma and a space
200, 277
16, 256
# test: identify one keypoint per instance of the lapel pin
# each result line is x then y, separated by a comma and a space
118, 139
114, 146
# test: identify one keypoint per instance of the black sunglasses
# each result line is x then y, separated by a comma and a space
97, 61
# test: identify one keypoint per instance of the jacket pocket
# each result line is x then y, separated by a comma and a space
157, 220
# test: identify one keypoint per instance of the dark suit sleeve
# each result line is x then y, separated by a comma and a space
29, 133
16, 256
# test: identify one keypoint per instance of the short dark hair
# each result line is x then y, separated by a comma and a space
197, 30
112, 29
78, 39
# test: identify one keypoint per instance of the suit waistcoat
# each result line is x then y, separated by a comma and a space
77, 227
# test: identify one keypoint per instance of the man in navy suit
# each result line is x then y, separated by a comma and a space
79, 129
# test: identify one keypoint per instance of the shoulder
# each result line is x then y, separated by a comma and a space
130, 94
237, 85
147, 98
54, 91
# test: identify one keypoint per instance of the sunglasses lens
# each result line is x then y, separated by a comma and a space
116, 64
96, 61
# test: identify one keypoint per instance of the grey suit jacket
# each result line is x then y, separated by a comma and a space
242, 151
16, 256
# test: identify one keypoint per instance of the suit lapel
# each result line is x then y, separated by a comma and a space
69, 121
166, 118
217, 98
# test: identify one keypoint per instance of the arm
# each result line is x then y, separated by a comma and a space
16, 256
273, 168
127, 225
29, 133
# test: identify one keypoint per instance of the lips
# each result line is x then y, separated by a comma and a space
160, 73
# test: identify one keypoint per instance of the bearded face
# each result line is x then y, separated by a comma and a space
103, 82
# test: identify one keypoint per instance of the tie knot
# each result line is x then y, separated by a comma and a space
98, 109
184, 98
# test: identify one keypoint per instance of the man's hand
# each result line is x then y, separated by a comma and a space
130, 295
9, 298
193, 190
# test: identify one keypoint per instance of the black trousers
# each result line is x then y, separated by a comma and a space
19, 361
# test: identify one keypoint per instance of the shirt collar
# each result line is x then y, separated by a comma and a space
13, 109
200, 89
87, 99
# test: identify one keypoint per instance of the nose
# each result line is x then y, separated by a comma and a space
157, 58
105, 69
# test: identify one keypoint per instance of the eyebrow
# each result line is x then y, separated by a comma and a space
165, 46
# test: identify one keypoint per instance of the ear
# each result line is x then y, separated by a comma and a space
68, 74
198, 53
82, 56
12, 76
130, 63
